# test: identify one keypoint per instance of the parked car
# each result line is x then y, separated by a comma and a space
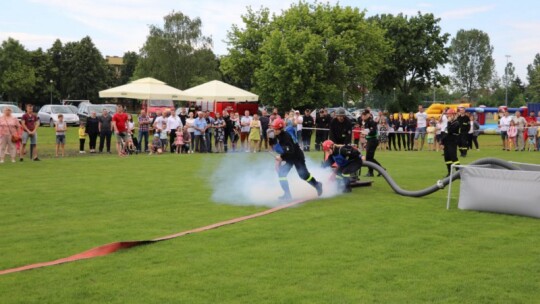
15, 111
48, 115
86, 109
73, 109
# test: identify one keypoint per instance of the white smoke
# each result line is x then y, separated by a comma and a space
251, 179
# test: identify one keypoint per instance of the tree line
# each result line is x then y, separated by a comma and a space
310, 55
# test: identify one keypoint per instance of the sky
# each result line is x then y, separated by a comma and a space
118, 26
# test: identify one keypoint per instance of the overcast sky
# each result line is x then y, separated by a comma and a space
117, 26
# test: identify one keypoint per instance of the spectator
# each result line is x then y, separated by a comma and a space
9, 134
298, 121
475, 131
531, 138
227, 130
82, 137
392, 133
155, 146
245, 122
92, 129
179, 140
119, 124
341, 128
30, 124
255, 133
187, 141
531, 119
520, 123
209, 131
183, 116
200, 127
421, 125
356, 134
399, 127
105, 131
383, 134
512, 134
442, 123
431, 131
173, 122
157, 120
265, 123
235, 135
307, 126
190, 123
144, 129
164, 135
219, 130
411, 131
60, 128
504, 124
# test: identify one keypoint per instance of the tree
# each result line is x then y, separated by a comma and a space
309, 56
533, 77
56, 53
130, 60
43, 67
178, 53
17, 76
418, 50
471, 56
84, 70
244, 48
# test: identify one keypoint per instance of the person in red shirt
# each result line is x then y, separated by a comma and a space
119, 122
30, 123
531, 119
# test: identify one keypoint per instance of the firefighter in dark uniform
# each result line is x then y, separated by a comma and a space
450, 138
370, 126
341, 128
348, 160
290, 153
307, 126
322, 123
464, 128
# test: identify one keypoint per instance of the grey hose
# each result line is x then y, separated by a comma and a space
440, 183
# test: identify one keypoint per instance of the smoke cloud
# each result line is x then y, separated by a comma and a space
251, 179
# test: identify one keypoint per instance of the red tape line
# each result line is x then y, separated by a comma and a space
113, 247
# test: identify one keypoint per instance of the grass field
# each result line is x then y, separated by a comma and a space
370, 246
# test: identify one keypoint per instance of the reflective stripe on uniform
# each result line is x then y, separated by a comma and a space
309, 178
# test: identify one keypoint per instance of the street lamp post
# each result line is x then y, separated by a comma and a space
506, 81
50, 87
394, 95
435, 86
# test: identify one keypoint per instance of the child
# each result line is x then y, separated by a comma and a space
438, 135
219, 133
179, 141
82, 137
130, 146
60, 129
163, 136
271, 138
431, 130
356, 134
186, 136
156, 145
255, 133
512, 133
531, 138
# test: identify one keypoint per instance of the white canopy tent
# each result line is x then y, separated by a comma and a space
144, 88
216, 90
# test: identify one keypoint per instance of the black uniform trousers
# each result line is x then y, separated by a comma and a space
463, 144
371, 147
450, 153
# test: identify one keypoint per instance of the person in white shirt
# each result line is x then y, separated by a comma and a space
298, 119
190, 121
173, 123
245, 123
421, 125
504, 124
520, 124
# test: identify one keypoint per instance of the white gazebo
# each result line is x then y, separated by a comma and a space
216, 90
144, 89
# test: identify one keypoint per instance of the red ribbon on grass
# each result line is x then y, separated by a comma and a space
113, 247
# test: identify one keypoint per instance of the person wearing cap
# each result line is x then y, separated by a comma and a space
156, 145
290, 155
450, 140
322, 124
464, 128
341, 128
347, 160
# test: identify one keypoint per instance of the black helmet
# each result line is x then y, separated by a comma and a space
340, 112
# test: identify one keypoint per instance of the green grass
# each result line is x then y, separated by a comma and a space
370, 246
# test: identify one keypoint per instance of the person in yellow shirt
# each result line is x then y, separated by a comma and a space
82, 137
